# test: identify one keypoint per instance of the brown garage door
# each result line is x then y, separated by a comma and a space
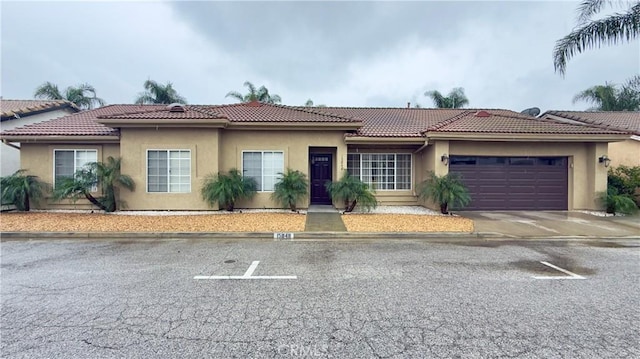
514, 183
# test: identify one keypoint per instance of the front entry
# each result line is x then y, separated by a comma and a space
321, 169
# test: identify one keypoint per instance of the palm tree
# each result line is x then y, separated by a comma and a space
609, 97
309, 103
592, 33
83, 96
20, 190
226, 188
447, 190
352, 191
261, 94
455, 99
96, 173
291, 188
156, 93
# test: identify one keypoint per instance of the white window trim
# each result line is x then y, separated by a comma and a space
146, 165
395, 169
94, 188
262, 152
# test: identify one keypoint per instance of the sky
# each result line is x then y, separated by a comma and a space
380, 54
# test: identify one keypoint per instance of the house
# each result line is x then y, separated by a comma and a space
507, 159
17, 113
621, 153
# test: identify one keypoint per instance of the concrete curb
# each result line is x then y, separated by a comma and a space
298, 236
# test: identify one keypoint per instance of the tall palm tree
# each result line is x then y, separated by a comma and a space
610, 97
455, 99
261, 94
106, 174
592, 33
83, 96
156, 93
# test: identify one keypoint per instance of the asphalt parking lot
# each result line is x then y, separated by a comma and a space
358, 299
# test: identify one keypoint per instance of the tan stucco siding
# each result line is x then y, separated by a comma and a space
586, 176
134, 144
38, 160
625, 153
294, 144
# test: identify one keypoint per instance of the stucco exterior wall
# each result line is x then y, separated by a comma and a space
38, 160
134, 144
294, 144
9, 156
586, 176
625, 153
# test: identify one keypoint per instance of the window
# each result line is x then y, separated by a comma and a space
68, 162
263, 166
383, 171
169, 171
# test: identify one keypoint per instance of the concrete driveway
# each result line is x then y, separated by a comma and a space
553, 224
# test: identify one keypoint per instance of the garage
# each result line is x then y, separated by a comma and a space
514, 183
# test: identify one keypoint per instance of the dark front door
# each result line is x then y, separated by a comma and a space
320, 174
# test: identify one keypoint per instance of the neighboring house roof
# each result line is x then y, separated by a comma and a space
626, 121
13, 109
370, 122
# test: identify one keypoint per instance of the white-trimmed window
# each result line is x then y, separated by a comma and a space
169, 171
382, 171
263, 166
67, 162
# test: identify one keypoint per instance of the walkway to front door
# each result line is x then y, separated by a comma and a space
321, 169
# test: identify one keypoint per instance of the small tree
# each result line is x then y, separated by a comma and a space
85, 180
227, 188
291, 188
21, 189
352, 191
445, 190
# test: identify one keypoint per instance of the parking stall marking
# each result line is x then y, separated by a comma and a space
247, 275
571, 275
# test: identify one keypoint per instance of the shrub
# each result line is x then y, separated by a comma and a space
106, 174
615, 202
21, 189
353, 192
227, 188
447, 191
626, 181
291, 188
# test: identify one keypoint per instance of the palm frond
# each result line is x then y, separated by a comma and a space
609, 30
48, 91
588, 8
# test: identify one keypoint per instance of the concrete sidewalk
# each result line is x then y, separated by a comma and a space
324, 219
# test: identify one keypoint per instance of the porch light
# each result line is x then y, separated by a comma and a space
445, 159
604, 159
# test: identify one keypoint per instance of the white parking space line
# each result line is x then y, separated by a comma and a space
571, 275
247, 275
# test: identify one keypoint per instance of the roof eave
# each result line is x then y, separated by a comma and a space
61, 138
384, 140
526, 137
122, 123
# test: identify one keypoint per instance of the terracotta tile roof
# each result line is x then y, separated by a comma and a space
256, 112
627, 121
514, 123
376, 122
10, 109
79, 124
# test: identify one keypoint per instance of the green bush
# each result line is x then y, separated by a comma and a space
21, 189
291, 188
227, 188
615, 202
626, 181
352, 191
447, 191
106, 174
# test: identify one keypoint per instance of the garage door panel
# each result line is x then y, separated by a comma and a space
518, 183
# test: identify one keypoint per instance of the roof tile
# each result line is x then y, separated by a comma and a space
627, 121
10, 108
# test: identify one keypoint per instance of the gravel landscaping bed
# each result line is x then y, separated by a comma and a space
381, 219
